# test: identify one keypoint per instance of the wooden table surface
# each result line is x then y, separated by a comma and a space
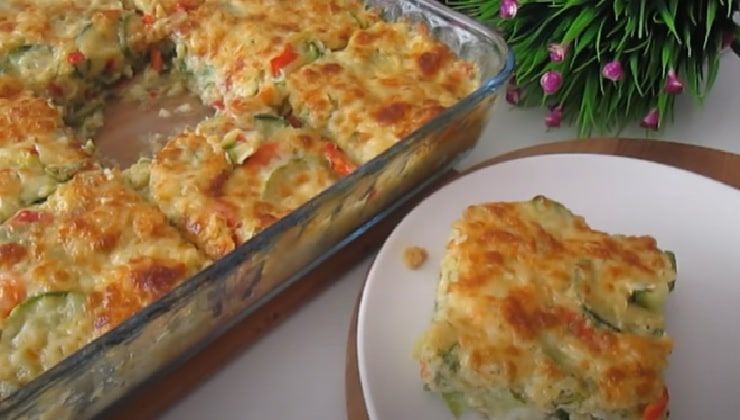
715, 164
155, 396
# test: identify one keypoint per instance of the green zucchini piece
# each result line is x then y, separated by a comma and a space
61, 173
78, 116
599, 320
454, 401
555, 353
312, 51
518, 396
285, 175
269, 118
672, 258
269, 123
651, 299
23, 309
451, 359
238, 152
44, 329
31, 59
20, 50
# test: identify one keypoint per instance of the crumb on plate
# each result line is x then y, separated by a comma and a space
414, 257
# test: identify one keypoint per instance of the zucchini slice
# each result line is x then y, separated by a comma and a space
32, 60
43, 330
652, 298
454, 402
672, 259
49, 306
238, 152
269, 123
312, 51
598, 319
284, 182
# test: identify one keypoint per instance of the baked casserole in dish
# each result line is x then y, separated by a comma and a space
319, 128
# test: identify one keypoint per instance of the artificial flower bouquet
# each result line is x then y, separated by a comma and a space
608, 64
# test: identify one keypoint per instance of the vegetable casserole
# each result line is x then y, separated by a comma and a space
84, 246
537, 315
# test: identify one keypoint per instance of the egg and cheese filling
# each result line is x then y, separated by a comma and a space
235, 178
37, 152
304, 91
537, 316
389, 80
76, 266
70, 50
241, 51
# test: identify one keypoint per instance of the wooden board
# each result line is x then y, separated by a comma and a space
718, 165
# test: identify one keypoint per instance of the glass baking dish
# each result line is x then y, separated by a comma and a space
193, 314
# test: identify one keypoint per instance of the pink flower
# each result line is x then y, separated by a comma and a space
513, 95
673, 84
727, 38
613, 71
508, 9
554, 117
557, 52
651, 120
551, 81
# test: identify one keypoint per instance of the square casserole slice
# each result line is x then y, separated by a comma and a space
37, 152
539, 316
74, 267
241, 51
389, 80
70, 49
227, 180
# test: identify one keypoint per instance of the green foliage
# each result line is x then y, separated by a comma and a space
648, 37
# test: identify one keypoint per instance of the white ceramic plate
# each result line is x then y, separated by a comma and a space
694, 216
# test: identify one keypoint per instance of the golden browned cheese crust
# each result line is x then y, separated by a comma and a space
36, 151
96, 238
241, 50
92, 233
222, 187
69, 49
299, 86
535, 305
390, 80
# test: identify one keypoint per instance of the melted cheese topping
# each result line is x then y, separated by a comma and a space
240, 49
97, 237
95, 252
220, 201
390, 80
66, 49
41, 333
534, 308
36, 151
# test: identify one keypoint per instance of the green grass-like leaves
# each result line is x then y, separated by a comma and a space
649, 37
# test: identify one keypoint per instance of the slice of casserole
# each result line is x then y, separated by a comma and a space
239, 50
227, 180
539, 316
71, 49
37, 152
389, 80
74, 267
